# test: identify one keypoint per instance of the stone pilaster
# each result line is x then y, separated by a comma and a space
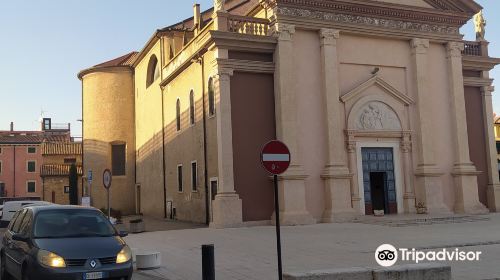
493, 192
409, 192
353, 167
336, 174
227, 206
464, 171
427, 172
292, 189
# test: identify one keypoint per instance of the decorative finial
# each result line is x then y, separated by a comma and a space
219, 5
479, 24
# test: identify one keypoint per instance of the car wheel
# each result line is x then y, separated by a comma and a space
3, 273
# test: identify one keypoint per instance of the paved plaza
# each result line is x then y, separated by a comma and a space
249, 253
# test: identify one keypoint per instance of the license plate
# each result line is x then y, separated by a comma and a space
93, 275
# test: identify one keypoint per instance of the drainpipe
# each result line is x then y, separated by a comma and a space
162, 62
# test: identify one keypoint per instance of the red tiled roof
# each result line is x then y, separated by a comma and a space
58, 170
32, 137
61, 148
15, 138
124, 60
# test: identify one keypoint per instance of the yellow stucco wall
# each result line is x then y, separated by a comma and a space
149, 137
108, 117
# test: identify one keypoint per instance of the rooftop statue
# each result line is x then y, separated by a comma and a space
479, 24
219, 5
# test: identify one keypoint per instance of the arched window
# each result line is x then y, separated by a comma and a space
211, 97
178, 114
191, 107
153, 70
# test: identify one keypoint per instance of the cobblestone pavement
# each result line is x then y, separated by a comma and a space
249, 253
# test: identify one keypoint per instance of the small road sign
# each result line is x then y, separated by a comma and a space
275, 157
106, 178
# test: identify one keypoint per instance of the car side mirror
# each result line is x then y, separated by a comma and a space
20, 237
123, 233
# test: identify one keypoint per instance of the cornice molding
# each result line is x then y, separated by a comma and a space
406, 25
381, 10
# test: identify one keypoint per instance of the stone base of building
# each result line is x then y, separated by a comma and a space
493, 194
338, 196
340, 216
294, 219
409, 204
227, 210
466, 191
429, 180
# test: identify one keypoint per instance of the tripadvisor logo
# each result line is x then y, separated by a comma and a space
387, 255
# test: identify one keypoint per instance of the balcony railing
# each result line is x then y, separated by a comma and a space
472, 48
248, 25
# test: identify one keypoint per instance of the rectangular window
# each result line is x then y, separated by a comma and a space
31, 186
194, 176
0, 150
0, 167
2, 189
31, 150
179, 178
66, 189
118, 159
70, 160
31, 166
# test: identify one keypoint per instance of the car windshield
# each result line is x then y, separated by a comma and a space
68, 223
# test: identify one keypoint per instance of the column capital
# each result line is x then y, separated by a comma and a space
419, 46
487, 90
454, 49
351, 146
329, 36
283, 31
224, 74
405, 146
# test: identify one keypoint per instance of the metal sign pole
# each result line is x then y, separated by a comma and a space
278, 232
109, 209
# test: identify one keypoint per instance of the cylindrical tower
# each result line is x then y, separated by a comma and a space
109, 131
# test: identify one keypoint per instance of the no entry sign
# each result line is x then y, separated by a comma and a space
275, 157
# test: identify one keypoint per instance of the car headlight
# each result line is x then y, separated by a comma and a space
124, 256
50, 259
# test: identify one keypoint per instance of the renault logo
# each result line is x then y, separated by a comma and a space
93, 263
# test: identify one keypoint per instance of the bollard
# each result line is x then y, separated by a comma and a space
208, 263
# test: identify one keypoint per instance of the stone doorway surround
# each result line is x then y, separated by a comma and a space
378, 117
398, 170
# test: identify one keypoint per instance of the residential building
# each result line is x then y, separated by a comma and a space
57, 158
381, 103
21, 158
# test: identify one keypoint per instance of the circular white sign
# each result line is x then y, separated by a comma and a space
386, 255
106, 178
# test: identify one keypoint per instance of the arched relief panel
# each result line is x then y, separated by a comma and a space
373, 115
376, 105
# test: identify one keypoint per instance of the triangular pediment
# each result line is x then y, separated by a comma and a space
381, 83
415, 3
466, 6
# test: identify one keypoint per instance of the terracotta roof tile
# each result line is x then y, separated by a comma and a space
58, 170
124, 60
61, 148
15, 138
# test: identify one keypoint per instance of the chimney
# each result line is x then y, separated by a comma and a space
197, 18
11, 126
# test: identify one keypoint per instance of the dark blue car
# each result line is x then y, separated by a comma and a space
63, 242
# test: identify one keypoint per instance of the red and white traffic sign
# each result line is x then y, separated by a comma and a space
275, 157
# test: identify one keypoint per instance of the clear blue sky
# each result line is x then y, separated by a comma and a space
45, 43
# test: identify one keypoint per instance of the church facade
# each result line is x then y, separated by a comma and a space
382, 104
